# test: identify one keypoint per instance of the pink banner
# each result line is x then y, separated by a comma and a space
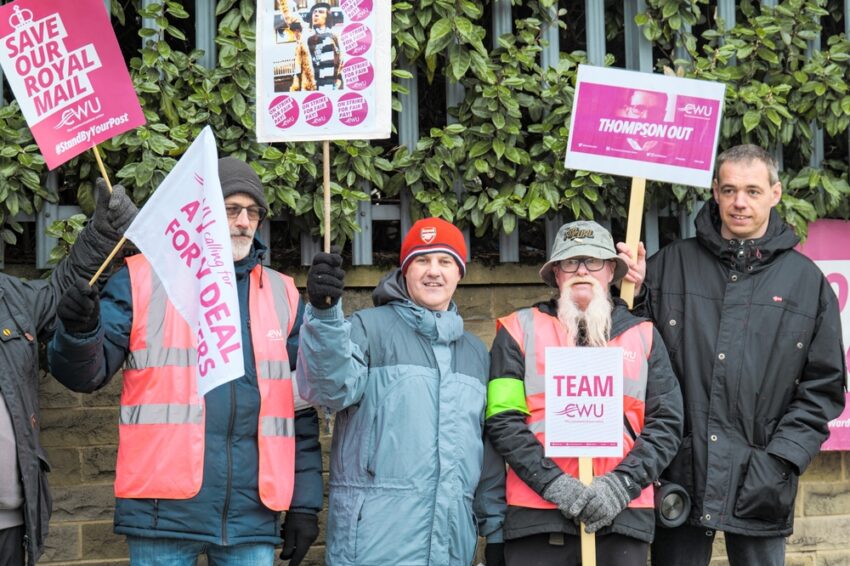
64, 65
827, 246
645, 125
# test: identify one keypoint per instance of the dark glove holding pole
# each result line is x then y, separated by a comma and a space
79, 308
113, 212
298, 532
325, 280
602, 501
494, 554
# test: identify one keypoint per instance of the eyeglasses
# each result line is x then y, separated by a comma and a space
255, 213
590, 263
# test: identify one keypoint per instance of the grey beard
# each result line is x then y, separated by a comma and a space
595, 319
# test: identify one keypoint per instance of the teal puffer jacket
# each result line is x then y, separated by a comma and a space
409, 389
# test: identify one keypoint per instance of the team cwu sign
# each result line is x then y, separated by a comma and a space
584, 402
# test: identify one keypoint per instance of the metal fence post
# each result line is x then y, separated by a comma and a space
501, 23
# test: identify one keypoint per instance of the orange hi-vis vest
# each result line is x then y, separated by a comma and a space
161, 425
534, 331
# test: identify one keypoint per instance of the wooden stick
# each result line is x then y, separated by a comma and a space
627, 288
123, 239
102, 168
326, 186
588, 540
107, 260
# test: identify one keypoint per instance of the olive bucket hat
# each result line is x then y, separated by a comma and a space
583, 238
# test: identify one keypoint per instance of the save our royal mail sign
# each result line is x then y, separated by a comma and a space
645, 125
64, 65
584, 402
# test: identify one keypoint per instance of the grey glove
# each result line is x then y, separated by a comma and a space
602, 501
563, 492
113, 212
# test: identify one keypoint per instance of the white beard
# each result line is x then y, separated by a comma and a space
596, 318
240, 246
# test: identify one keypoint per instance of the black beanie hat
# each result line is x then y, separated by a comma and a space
238, 177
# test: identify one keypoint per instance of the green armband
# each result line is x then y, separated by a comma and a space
505, 394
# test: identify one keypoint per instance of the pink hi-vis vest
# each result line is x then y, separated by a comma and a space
161, 425
534, 331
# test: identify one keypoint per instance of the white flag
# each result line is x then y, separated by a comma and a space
183, 232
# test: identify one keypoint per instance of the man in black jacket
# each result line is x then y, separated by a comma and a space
27, 316
754, 335
545, 498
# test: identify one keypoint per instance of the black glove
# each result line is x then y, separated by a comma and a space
325, 280
494, 554
113, 212
299, 531
79, 308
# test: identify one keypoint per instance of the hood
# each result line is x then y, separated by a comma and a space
441, 327
744, 255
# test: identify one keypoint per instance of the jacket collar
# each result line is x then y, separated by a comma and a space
744, 255
443, 327
255, 256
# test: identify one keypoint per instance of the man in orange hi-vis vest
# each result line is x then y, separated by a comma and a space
202, 475
545, 498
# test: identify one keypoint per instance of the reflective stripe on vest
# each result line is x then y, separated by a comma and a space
161, 426
534, 331
272, 306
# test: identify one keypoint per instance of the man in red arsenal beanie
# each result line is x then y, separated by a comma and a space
433, 235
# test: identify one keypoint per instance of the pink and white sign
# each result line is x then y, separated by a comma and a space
311, 56
184, 234
64, 65
584, 402
645, 125
827, 247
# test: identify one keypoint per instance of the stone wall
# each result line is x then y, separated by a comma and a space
79, 433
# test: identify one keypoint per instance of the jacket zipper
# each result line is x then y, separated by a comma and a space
229, 451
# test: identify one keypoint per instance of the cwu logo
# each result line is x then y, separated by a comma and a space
580, 410
81, 114
275, 335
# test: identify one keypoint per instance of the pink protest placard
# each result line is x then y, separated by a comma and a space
644, 125
827, 247
64, 65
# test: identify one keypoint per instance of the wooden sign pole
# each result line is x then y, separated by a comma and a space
627, 288
588, 540
326, 187
120, 243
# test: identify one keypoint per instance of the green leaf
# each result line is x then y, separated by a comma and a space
751, 120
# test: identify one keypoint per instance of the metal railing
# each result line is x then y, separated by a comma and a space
639, 56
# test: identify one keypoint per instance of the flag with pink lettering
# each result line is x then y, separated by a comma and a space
184, 234
645, 125
64, 65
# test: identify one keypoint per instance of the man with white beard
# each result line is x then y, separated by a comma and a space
545, 498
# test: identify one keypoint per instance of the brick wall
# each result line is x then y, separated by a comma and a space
79, 433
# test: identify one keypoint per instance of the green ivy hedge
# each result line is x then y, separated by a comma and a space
506, 142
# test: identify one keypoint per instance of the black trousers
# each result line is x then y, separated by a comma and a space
565, 550
12, 546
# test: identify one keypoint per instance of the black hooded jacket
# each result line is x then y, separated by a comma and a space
754, 336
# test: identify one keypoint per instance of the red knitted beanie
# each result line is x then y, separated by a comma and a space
433, 235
